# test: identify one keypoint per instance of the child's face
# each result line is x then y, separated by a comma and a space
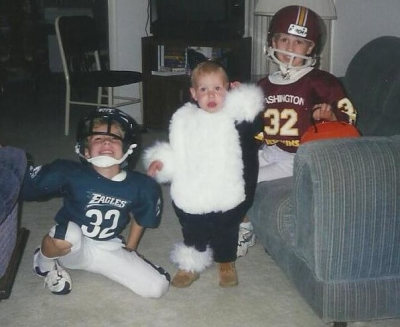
210, 91
104, 145
292, 44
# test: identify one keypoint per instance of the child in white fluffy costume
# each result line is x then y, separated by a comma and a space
211, 163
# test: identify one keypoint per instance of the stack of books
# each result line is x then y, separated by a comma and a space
171, 61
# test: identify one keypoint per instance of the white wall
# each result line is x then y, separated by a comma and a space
358, 22
127, 23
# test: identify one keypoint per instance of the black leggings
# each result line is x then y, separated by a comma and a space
219, 230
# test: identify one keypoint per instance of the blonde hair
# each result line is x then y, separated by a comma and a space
207, 67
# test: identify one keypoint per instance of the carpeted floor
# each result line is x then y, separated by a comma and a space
33, 120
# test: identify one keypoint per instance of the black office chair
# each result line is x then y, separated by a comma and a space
78, 40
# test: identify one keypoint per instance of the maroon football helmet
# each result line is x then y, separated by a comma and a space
300, 22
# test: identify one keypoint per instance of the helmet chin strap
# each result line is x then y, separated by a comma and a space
107, 161
287, 69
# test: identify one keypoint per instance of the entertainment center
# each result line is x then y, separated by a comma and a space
186, 32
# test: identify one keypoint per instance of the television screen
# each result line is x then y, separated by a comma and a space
204, 19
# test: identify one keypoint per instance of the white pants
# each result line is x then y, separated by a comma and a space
109, 259
274, 163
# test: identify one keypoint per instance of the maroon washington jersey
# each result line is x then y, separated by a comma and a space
288, 108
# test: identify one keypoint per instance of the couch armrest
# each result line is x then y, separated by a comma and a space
347, 207
12, 170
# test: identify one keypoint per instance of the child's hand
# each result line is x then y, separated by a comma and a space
323, 111
154, 167
234, 84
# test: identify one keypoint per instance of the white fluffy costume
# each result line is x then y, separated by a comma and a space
205, 161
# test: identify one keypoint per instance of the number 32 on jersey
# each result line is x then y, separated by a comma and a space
95, 228
281, 122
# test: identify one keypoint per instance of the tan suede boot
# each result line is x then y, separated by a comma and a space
184, 278
227, 274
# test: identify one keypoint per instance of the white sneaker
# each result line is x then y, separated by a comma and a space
58, 280
246, 239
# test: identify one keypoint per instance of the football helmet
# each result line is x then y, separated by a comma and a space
130, 138
300, 22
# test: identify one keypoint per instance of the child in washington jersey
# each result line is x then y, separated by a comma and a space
211, 162
100, 199
294, 94
297, 92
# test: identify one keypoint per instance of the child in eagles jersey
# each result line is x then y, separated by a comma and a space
211, 163
100, 200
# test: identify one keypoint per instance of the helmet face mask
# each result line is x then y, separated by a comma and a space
130, 130
91, 128
287, 66
299, 22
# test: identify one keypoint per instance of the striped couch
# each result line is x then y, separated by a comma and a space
12, 236
334, 227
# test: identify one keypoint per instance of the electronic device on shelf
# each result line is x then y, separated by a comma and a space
197, 19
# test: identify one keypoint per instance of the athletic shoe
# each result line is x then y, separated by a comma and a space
246, 239
57, 279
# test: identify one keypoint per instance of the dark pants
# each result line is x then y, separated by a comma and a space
219, 230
